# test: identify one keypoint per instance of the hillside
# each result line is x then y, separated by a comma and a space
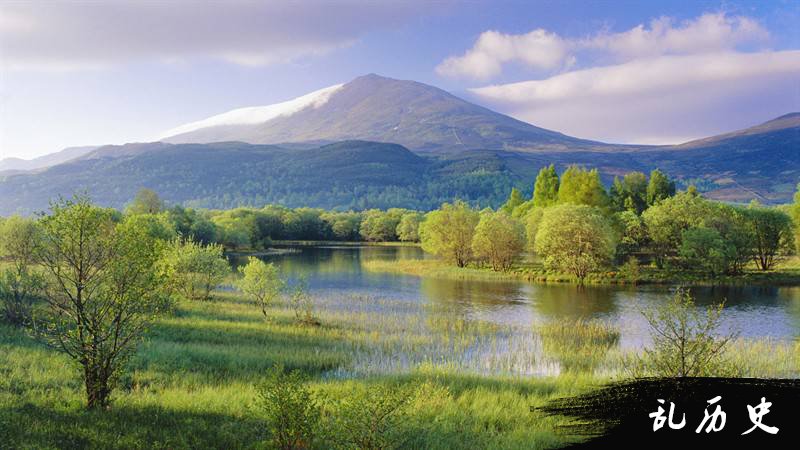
761, 163
375, 108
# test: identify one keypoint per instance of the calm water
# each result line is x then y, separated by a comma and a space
337, 272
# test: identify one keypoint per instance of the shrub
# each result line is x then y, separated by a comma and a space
290, 410
193, 270
260, 282
373, 420
685, 340
303, 305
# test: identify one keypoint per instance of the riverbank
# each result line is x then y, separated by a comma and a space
786, 274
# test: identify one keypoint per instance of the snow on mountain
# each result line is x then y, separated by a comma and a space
258, 114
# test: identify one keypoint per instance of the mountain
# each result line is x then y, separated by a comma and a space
19, 164
762, 162
374, 108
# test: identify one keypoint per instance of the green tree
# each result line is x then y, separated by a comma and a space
514, 200
659, 188
686, 341
447, 232
146, 201
545, 190
633, 233
291, 411
157, 226
193, 270
669, 218
704, 249
408, 228
576, 239
629, 193
381, 226
102, 291
260, 282
582, 187
20, 284
498, 238
795, 213
772, 233
344, 225
532, 221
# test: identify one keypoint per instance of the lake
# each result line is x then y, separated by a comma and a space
335, 274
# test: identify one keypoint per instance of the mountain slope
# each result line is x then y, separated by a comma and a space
375, 108
51, 159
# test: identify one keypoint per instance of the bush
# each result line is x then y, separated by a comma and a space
260, 282
303, 305
685, 340
373, 420
193, 270
290, 410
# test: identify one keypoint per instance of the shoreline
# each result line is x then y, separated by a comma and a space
433, 268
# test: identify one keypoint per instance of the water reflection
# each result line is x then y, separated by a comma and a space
753, 311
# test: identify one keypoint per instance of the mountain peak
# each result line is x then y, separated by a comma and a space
377, 108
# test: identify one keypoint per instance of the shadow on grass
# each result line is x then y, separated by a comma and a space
34, 426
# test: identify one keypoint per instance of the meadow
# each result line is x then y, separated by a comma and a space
192, 382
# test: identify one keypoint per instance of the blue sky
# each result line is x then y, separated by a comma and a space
623, 71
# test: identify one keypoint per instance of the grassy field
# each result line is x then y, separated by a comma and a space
787, 272
191, 384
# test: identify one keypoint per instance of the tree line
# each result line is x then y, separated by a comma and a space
575, 226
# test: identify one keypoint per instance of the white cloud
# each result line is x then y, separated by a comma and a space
537, 49
75, 35
542, 49
664, 99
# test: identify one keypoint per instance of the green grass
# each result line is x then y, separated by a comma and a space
192, 382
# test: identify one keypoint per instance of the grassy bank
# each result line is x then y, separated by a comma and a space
191, 384
786, 273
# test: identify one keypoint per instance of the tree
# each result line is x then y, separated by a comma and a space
408, 228
193, 270
659, 188
145, 202
545, 190
102, 291
704, 248
344, 225
157, 226
772, 233
19, 283
629, 193
685, 341
582, 187
260, 282
532, 221
633, 233
498, 238
576, 239
380, 226
669, 218
447, 232
514, 200
795, 213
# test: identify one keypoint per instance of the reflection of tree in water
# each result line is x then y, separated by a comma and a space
573, 302
792, 299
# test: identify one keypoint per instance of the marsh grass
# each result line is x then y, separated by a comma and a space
192, 383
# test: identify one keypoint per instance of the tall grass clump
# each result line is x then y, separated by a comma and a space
578, 345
